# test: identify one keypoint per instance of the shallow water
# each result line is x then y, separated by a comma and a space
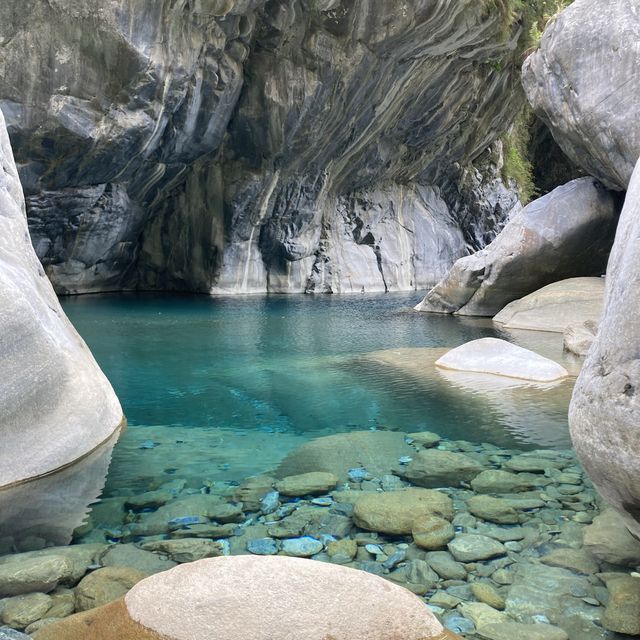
224, 387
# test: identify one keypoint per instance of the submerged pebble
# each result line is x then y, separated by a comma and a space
263, 547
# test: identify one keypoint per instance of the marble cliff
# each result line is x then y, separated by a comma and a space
253, 145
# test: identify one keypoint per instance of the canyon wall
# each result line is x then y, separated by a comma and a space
259, 145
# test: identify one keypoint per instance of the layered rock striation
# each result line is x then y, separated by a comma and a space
56, 404
254, 145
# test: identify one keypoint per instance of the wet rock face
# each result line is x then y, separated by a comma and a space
346, 164
604, 411
583, 82
56, 404
113, 103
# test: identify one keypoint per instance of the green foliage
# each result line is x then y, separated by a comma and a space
517, 165
533, 15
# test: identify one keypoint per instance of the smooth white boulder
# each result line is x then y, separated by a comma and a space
263, 598
501, 358
556, 306
56, 404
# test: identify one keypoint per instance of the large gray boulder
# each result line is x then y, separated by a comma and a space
584, 83
604, 415
567, 233
56, 404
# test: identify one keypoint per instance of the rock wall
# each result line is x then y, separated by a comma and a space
259, 145
584, 83
55, 403
605, 410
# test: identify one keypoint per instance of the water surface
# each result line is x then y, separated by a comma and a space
225, 387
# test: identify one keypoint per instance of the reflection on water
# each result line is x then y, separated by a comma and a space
45, 511
207, 383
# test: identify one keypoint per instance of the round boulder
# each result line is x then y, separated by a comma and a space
501, 358
259, 598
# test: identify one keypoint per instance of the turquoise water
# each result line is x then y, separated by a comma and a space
252, 377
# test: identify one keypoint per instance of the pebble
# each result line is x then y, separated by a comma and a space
270, 503
374, 549
358, 474
147, 444
303, 547
458, 624
322, 502
263, 547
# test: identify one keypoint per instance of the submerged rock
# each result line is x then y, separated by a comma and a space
609, 540
307, 484
377, 451
622, 614
513, 630
105, 585
395, 512
501, 358
435, 468
25, 575
258, 598
565, 234
472, 547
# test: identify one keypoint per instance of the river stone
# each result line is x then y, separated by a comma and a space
426, 439
150, 499
484, 592
395, 512
577, 560
556, 306
342, 551
471, 548
432, 532
26, 575
588, 94
105, 585
501, 358
538, 589
11, 634
377, 451
252, 490
622, 613
185, 550
605, 408
20, 611
80, 557
493, 509
304, 547
62, 603
307, 484
609, 540
565, 234
481, 614
259, 598
262, 546
519, 631
131, 556
56, 404
499, 481
435, 468
532, 464
443, 563
578, 337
